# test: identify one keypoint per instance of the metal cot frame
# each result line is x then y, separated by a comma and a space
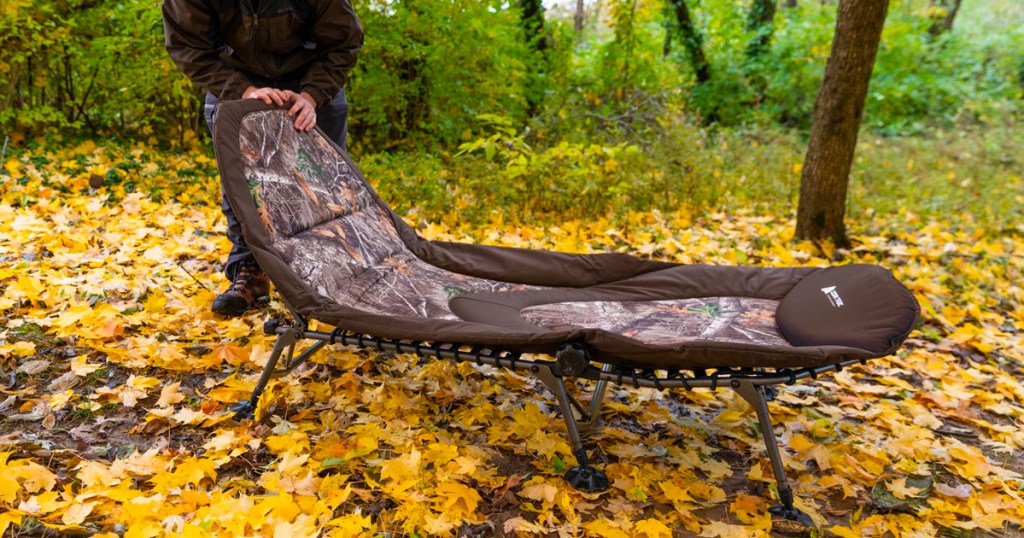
572, 360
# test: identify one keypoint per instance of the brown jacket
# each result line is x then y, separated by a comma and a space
227, 45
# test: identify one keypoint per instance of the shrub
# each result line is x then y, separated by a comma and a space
429, 67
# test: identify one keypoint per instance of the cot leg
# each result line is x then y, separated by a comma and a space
756, 396
596, 403
582, 477
245, 408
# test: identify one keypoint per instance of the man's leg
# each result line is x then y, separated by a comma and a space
332, 118
248, 283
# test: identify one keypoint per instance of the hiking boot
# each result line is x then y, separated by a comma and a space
249, 288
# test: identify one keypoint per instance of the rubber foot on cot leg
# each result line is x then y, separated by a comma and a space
587, 479
792, 514
243, 410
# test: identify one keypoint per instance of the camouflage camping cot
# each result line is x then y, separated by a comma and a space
336, 253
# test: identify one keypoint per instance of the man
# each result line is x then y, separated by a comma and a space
295, 52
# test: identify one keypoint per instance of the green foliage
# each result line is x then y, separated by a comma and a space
500, 176
616, 80
969, 74
429, 67
616, 124
95, 65
568, 179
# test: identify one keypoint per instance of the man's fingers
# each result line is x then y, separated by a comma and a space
271, 96
306, 119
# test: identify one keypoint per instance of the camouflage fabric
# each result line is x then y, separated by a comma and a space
327, 226
719, 319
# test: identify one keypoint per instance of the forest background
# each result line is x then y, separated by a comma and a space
620, 130
630, 110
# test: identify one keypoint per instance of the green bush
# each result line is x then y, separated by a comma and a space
429, 67
99, 66
971, 73
615, 80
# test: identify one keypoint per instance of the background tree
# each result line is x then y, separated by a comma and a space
532, 20
837, 116
578, 18
760, 23
533, 23
942, 13
691, 39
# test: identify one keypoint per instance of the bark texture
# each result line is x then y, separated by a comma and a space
945, 12
578, 18
692, 40
837, 116
532, 20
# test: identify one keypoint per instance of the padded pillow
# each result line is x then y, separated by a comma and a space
860, 306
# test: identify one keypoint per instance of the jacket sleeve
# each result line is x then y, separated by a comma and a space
190, 30
339, 36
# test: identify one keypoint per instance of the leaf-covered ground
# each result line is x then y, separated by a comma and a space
116, 377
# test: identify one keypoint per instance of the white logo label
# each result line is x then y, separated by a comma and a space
833, 296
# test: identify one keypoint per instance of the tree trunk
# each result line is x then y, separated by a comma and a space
578, 20
532, 20
837, 117
759, 22
944, 13
691, 40
791, 3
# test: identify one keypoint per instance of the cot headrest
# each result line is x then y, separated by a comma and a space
861, 306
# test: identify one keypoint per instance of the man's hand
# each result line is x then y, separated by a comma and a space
304, 110
270, 96
303, 105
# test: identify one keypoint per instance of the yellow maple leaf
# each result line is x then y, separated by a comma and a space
31, 476
76, 513
674, 493
404, 470
230, 354
170, 395
746, 506
845, 532
539, 491
349, 526
304, 526
81, 367
719, 529
110, 329
93, 474
8, 517
900, 490
457, 500
604, 529
9, 486
27, 287
652, 528
23, 349
299, 484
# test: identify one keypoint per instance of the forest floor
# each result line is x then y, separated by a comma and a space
116, 380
